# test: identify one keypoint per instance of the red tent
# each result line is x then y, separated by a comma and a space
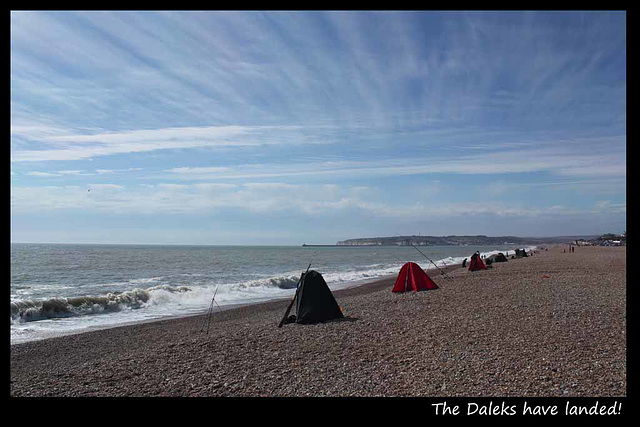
413, 278
476, 263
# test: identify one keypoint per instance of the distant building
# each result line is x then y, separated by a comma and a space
611, 239
582, 243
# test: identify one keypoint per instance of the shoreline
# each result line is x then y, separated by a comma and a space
231, 306
205, 312
499, 332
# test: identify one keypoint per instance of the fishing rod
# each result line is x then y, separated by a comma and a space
441, 271
286, 314
213, 300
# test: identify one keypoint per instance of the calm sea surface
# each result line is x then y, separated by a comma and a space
59, 289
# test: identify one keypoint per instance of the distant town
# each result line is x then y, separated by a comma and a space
608, 239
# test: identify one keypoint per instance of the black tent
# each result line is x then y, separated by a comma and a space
314, 300
499, 257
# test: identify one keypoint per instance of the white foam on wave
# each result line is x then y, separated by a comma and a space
38, 319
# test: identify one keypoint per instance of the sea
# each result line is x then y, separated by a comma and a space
63, 289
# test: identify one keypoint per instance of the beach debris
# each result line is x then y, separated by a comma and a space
545, 276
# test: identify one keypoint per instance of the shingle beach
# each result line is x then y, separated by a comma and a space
553, 324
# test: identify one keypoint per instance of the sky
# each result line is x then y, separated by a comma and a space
291, 127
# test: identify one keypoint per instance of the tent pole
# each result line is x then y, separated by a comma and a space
286, 313
213, 300
406, 279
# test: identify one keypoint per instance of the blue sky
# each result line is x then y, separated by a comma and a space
291, 127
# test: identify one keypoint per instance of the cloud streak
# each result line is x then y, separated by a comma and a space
265, 199
72, 146
223, 112
556, 161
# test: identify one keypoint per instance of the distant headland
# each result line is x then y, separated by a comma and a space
458, 240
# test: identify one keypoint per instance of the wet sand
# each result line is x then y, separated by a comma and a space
506, 331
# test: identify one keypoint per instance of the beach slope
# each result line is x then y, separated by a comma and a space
553, 324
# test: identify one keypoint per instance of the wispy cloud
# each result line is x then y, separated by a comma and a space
72, 146
183, 112
557, 161
59, 173
270, 199
42, 174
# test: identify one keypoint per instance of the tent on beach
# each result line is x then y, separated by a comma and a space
476, 263
521, 253
413, 278
499, 257
314, 301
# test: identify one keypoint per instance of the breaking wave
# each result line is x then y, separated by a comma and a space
280, 282
29, 310
58, 307
197, 295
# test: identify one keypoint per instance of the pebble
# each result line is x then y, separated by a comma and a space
499, 332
